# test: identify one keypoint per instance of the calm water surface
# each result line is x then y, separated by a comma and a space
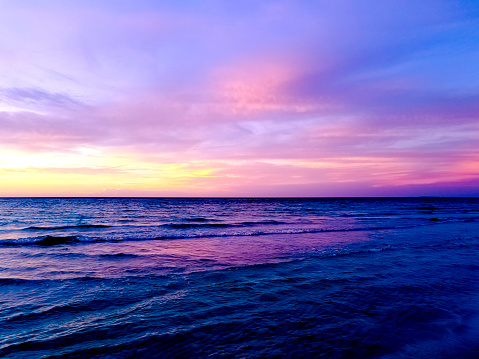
239, 278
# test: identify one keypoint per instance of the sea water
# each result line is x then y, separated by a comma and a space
239, 278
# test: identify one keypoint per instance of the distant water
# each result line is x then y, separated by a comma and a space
239, 278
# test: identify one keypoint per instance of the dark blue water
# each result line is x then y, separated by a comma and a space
239, 278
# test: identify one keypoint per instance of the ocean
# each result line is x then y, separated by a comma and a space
239, 278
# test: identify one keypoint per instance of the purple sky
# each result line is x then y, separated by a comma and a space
239, 98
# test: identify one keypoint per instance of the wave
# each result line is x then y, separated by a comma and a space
263, 222
45, 241
118, 255
427, 208
65, 240
220, 225
55, 228
197, 225
16, 281
175, 231
53, 240
347, 252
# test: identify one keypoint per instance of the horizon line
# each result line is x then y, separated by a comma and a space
240, 197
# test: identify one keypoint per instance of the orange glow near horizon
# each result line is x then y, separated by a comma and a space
96, 173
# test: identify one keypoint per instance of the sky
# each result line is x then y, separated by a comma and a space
252, 98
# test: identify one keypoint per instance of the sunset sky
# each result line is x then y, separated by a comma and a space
239, 98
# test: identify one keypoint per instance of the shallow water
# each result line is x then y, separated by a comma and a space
332, 278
